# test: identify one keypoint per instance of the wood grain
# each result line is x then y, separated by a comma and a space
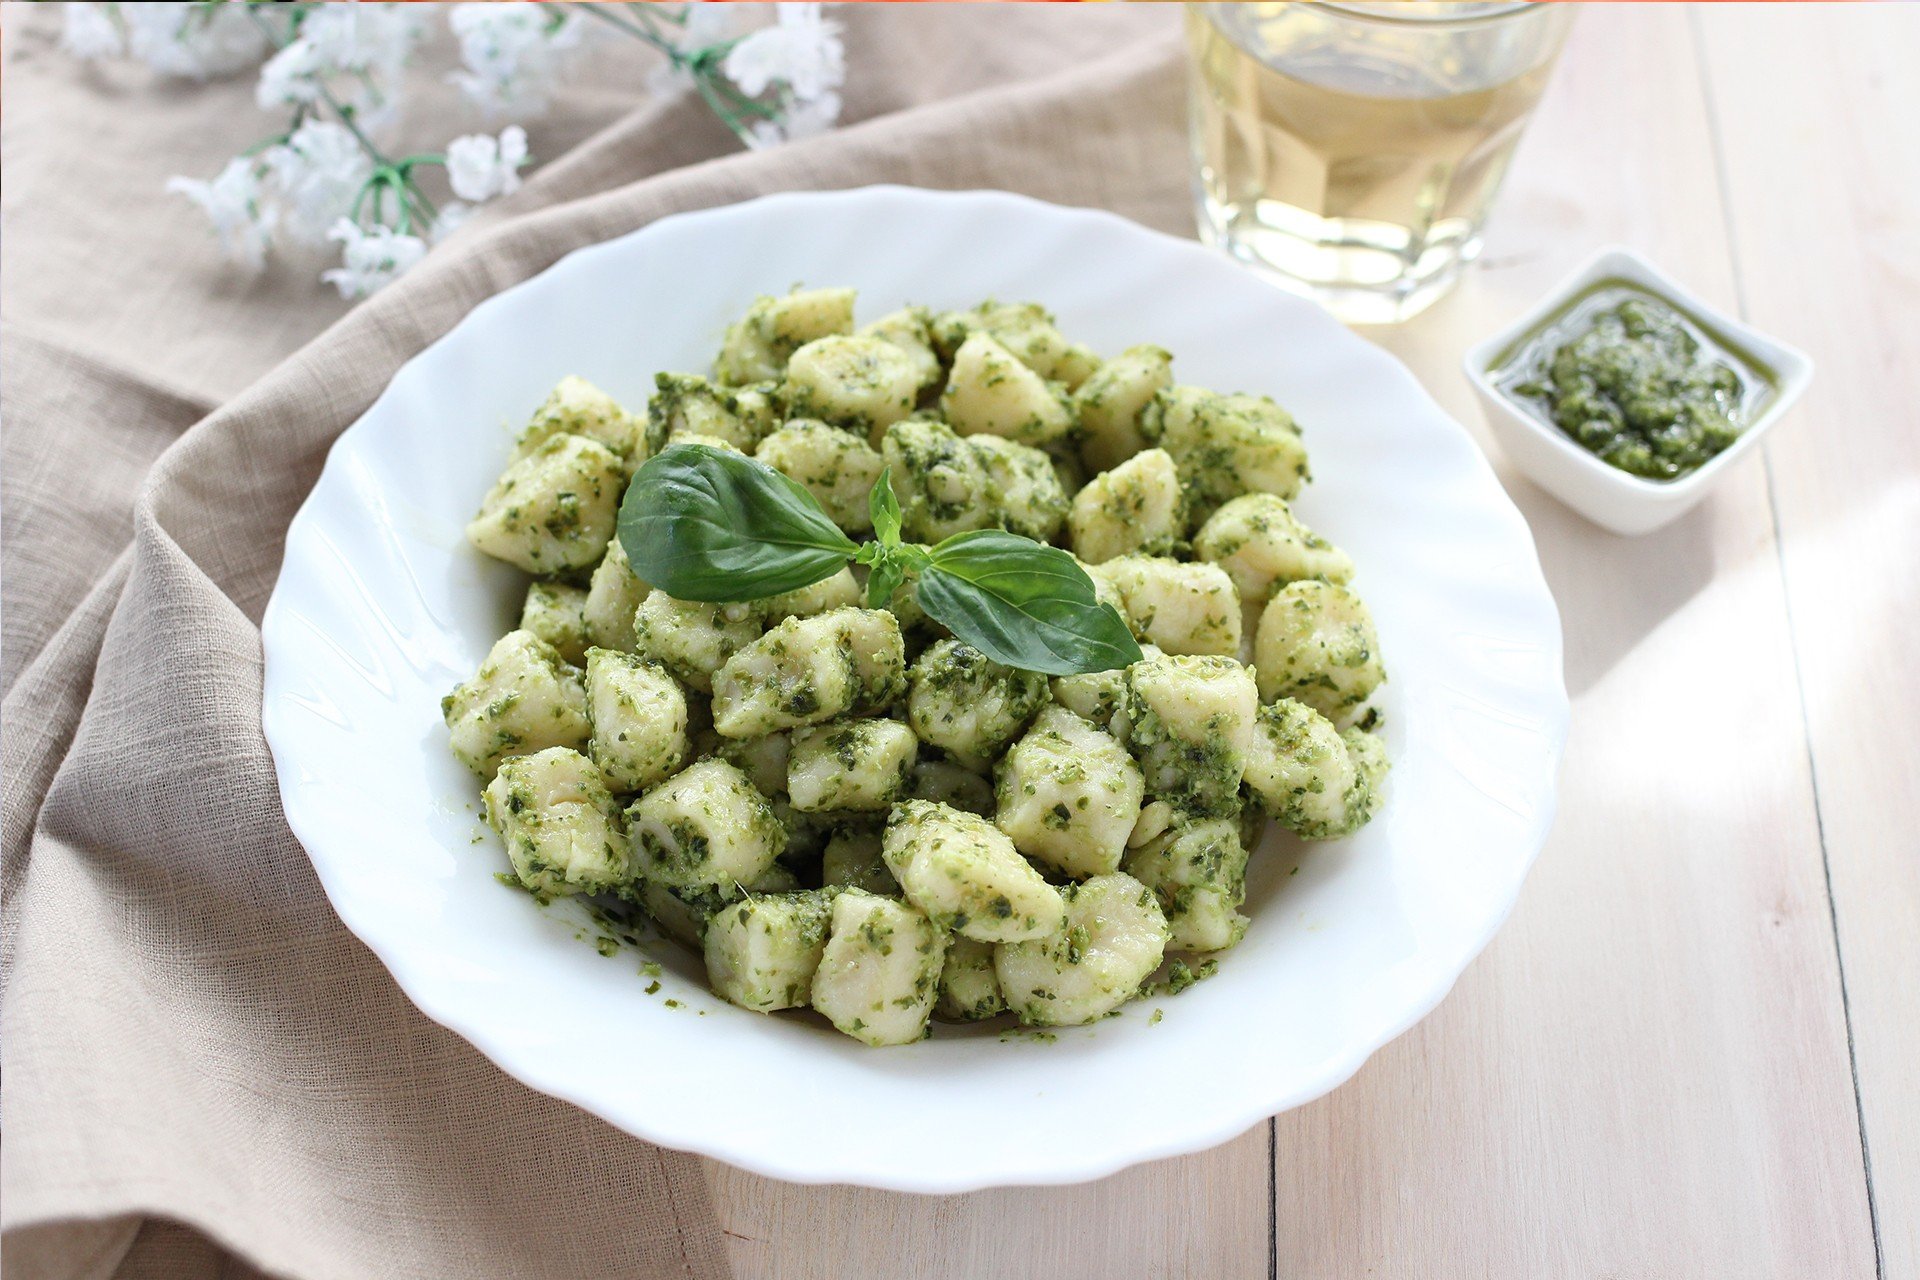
1648, 1074
1819, 114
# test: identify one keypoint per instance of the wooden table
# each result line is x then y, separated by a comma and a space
1695, 1048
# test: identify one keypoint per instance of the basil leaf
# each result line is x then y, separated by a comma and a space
885, 579
885, 510
702, 523
1023, 604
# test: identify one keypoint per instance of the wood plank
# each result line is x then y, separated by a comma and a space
1203, 1215
1820, 115
1647, 1074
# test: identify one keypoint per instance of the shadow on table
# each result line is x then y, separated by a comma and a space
1612, 590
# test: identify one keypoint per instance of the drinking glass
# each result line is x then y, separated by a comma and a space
1351, 151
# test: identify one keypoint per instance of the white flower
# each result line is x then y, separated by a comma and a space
372, 43
290, 77
802, 51
796, 120
319, 172
480, 168
370, 258
232, 202
89, 32
193, 40
453, 216
514, 53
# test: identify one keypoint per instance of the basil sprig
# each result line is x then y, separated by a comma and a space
708, 524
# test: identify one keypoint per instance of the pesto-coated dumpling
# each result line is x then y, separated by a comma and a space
613, 596
1023, 489
862, 384
685, 406
1112, 939
1179, 605
852, 857
762, 952
1135, 508
1226, 445
969, 987
577, 407
951, 784
880, 972
968, 705
707, 827
1025, 329
966, 875
836, 466
557, 613
1198, 870
1190, 722
1109, 404
840, 591
693, 638
524, 698
990, 391
1316, 644
552, 510
1261, 544
907, 330
1068, 795
1100, 697
850, 765
941, 482
639, 717
1310, 777
810, 670
763, 759
559, 823
758, 345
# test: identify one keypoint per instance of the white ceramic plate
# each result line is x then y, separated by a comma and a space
381, 607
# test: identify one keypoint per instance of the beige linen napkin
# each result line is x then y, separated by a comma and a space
189, 1034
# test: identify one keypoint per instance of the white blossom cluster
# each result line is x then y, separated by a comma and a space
338, 71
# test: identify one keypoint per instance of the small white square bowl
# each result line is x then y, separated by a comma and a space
1604, 494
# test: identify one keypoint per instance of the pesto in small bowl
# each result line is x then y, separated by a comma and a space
1636, 382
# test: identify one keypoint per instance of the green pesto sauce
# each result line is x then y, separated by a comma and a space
1636, 383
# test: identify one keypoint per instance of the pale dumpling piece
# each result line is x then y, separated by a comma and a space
1068, 795
559, 823
1100, 697
1024, 328
852, 857
862, 384
613, 596
1133, 509
966, 875
1313, 779
989, 390
524, 698
762, 952
1198, 870
707, 827
1316, 644
969, 987
763, 759
1190, 725
693, 639
556, 612
907, 330
1226, 445
839, 591
850, 765
880, 972
686, 407
553, 509
639, 717
953, 784
1261, 544
836, 466
577, 407
940, 481
1179, 605
758, 345
968, 705
1023, 490
1111, 940
1109, 404
810, 670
